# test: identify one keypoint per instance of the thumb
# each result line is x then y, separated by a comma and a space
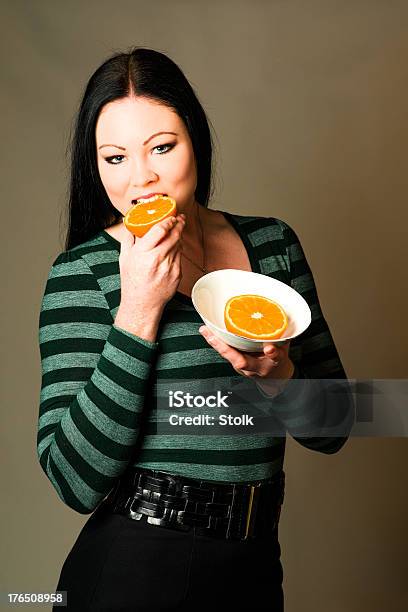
127, 242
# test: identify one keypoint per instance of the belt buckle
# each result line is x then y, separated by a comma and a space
251, 513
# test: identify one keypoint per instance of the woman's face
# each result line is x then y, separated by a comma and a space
135, 161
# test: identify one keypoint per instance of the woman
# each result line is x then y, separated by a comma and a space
178, 522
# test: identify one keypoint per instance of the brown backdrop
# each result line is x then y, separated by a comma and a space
309, 105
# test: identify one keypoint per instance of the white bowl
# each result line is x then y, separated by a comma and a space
212, 291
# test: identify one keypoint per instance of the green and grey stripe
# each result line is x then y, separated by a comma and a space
97, 379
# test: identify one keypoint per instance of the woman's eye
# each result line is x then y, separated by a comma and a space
161, 149
111, 158
168, 148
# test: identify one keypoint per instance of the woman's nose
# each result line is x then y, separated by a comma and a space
142, 173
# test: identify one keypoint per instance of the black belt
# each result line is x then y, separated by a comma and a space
237, 511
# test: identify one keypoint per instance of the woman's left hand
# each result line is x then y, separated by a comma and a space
273, 363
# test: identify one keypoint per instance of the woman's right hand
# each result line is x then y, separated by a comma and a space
150, 267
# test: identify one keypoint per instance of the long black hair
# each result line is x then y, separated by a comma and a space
141, 72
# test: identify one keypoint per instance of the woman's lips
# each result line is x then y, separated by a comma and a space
147, 197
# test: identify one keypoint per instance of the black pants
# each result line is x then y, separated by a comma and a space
118, 564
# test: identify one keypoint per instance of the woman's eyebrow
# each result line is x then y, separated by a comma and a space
158, 134
145, 143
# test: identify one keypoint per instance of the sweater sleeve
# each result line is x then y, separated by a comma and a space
94, 379
313, 404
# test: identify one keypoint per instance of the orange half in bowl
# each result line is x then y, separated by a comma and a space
255, 317
146, 213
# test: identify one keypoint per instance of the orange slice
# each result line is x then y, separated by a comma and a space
146, 213
254, 316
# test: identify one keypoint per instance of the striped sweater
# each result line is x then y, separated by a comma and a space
95, 416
